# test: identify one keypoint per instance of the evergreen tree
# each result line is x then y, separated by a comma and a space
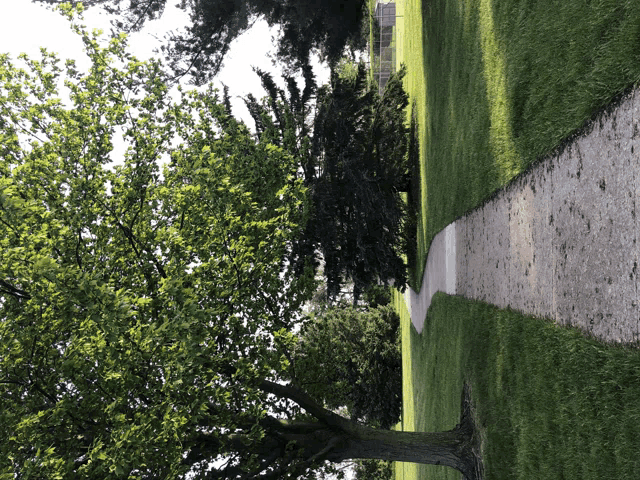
352, 152
305, 26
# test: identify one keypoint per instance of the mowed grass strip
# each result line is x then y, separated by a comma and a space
405, 471
499, 84
434, 367
552, 403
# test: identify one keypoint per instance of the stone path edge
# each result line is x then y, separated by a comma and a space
559, 241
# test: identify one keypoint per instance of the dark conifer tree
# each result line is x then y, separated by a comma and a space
352, 151
326, 27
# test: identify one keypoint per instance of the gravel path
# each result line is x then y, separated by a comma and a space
560, 241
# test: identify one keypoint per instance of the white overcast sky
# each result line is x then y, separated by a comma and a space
27, 26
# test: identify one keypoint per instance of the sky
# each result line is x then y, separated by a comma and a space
27, 26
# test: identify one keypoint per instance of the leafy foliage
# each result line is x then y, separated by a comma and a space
146, 302
140, 307
373, 470
353, 154
360, 140
283, 118
200, 49
351, 357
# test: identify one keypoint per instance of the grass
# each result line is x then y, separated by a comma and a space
406, 471
552, 403
432, 382
498, 84
495, 86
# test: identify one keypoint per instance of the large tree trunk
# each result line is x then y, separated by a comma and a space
453, 448
335, 438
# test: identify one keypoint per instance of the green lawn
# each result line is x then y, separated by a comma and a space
494, 86
552, 403
497, 84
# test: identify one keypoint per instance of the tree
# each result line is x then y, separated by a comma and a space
200, 50
146, 313
369, 469
350, 357
352, 148
360, 140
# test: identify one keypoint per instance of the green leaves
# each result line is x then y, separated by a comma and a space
358, 211
357, 355
351, 149
140, 303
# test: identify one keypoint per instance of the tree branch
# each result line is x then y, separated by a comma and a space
305, 401
11, 290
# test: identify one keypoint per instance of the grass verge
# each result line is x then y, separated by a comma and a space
405, 471
552, 403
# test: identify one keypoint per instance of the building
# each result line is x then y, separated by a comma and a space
384, 51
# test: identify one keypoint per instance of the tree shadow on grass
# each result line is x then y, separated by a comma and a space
413, 197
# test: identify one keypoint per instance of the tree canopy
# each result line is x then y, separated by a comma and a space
350, 357
200, 49
140, 307
351, 145
146, 303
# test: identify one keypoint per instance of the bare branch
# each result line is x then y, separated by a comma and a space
305, 401
11, 290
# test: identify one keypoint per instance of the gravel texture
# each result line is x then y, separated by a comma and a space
560, 241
